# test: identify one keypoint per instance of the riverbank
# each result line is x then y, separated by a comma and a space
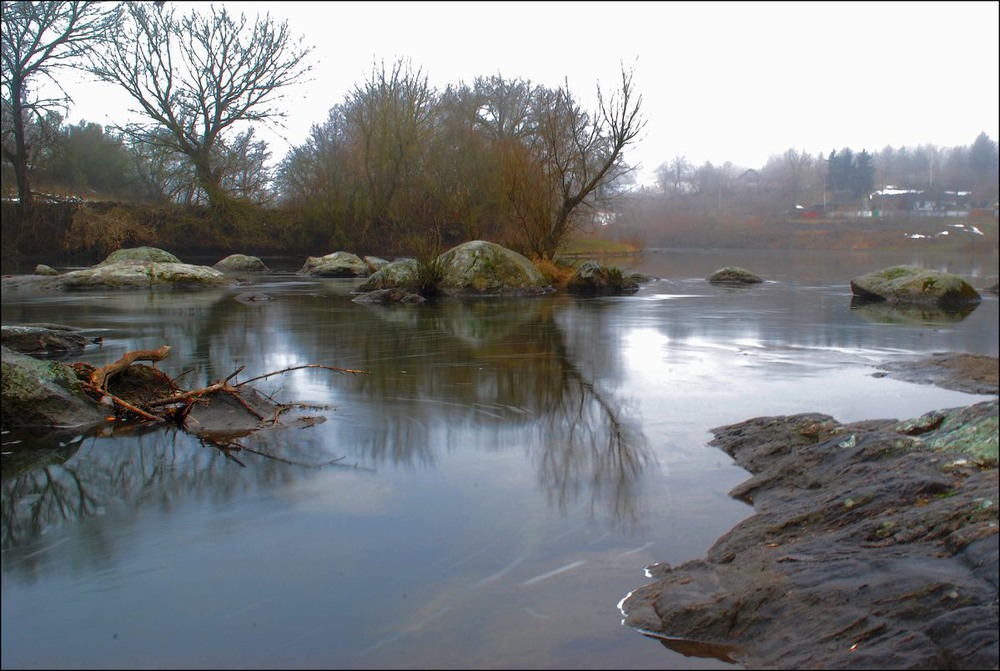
873, 544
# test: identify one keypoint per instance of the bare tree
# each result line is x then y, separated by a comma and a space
37, 39
674, 176
389, 119
197, 76
583, 154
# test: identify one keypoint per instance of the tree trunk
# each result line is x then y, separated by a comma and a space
19, 160
219, 200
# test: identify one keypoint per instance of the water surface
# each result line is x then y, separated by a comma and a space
506, 467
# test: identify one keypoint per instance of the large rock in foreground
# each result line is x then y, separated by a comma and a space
913, 285
873, 545
44, 394
481, 268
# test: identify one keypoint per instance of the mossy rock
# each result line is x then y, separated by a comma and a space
734, 276
481, 268
145, 254
913, 285
401, 273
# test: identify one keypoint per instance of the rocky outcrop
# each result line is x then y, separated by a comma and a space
144, 275
399, 274
913, 285
44, 394
734, 276
48, 271
481, 268
28, 338
594, 279
969, 373
144, 254
337, 264
872, 545
240, 263
375, 263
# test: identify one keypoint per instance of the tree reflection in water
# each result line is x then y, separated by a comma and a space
496, 366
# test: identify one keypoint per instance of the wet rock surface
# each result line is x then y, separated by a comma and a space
970, 373
913, 285
47, 338
872, 544
594, 279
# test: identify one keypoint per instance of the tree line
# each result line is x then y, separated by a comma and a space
396, 162
843, 176
398, 165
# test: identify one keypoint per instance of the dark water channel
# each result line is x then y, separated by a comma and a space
508, 466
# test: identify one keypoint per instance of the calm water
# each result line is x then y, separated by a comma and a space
508, 467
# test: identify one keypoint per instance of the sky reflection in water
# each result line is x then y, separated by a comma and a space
509, 467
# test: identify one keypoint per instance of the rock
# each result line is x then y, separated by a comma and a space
150, 254
969, 373
42, 269
44, 394
240, 263
912, 285
734, 276
398, 274
385, 296
872, 545
337, 264
140, 275
49, 338
594, 279
375, 263
481, 268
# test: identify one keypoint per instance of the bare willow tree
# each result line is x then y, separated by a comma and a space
38, 38
197, 76
389, 117
583, 154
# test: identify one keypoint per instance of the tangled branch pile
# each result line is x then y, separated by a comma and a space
140, 392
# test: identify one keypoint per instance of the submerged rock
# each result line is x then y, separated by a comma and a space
735, 276
969, 373
913, 285
387, 296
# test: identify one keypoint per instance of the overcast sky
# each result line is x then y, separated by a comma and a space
720, 82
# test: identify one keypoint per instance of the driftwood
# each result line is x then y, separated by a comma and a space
99, 378
176, 406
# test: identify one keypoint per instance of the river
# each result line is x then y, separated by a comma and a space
482, 496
